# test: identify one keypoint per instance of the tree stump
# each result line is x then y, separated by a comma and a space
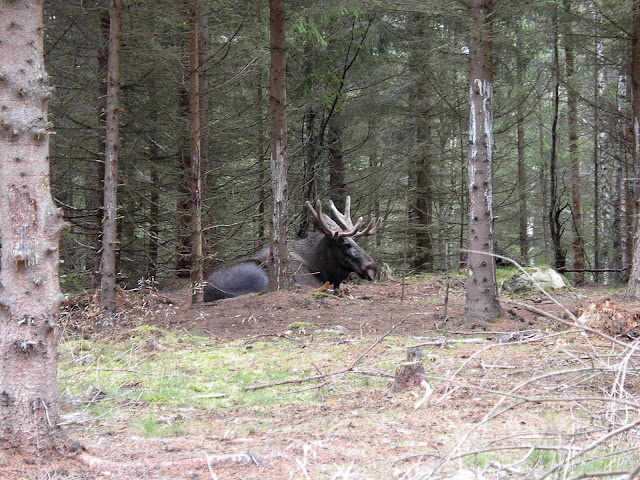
408, 376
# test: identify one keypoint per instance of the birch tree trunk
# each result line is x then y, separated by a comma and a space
279, 277
110, 210
30, 227
481, 291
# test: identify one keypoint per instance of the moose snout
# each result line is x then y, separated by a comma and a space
370, 269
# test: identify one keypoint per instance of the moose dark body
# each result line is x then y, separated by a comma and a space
328, 255
239, 279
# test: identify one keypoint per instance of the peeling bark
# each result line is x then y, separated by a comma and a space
481, 291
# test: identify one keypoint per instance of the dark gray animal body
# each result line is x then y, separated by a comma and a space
328, 255
239, 279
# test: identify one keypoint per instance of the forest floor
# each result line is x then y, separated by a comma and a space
299, 385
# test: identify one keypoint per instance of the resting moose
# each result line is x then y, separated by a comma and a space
328, 255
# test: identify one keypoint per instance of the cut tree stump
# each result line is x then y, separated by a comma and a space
408, 376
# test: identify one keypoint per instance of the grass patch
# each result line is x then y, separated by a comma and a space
189, 371
152, 427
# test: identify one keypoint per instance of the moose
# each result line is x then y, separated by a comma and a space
328, 255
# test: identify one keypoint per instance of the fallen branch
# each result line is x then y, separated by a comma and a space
442, 341
326, 376
194, 462
591, 270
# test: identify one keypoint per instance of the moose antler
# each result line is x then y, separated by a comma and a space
348, 229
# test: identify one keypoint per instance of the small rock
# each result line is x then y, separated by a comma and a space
335, 330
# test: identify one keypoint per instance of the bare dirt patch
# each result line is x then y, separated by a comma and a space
502, 392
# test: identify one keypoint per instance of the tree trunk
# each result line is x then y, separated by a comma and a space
523, 233
633, 287
481, 290
263, 143
310, 177
555, 225
337, 185
598, 89
279, 277
197, 260
110, 211
95, 203
421, 211
204, 55
574, 159
183, 203
30, 227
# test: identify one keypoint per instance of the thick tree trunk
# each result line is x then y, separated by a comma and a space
197, 259
30, 226
633, 287
279, 277
574, 159
481, 290
110, 210
421, 209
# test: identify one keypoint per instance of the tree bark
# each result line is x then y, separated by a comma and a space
337, 185
183, 202
481, 290
95, 203
633, 287
421, 210
311, 167
110, 210
555, 225
574, 159
30, 227
197, 259
523, 233
598, 84
279, 277
204, 54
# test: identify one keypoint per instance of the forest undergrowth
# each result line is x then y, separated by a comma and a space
298, 385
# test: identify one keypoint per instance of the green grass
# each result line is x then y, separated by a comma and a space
191, 372
151, 427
